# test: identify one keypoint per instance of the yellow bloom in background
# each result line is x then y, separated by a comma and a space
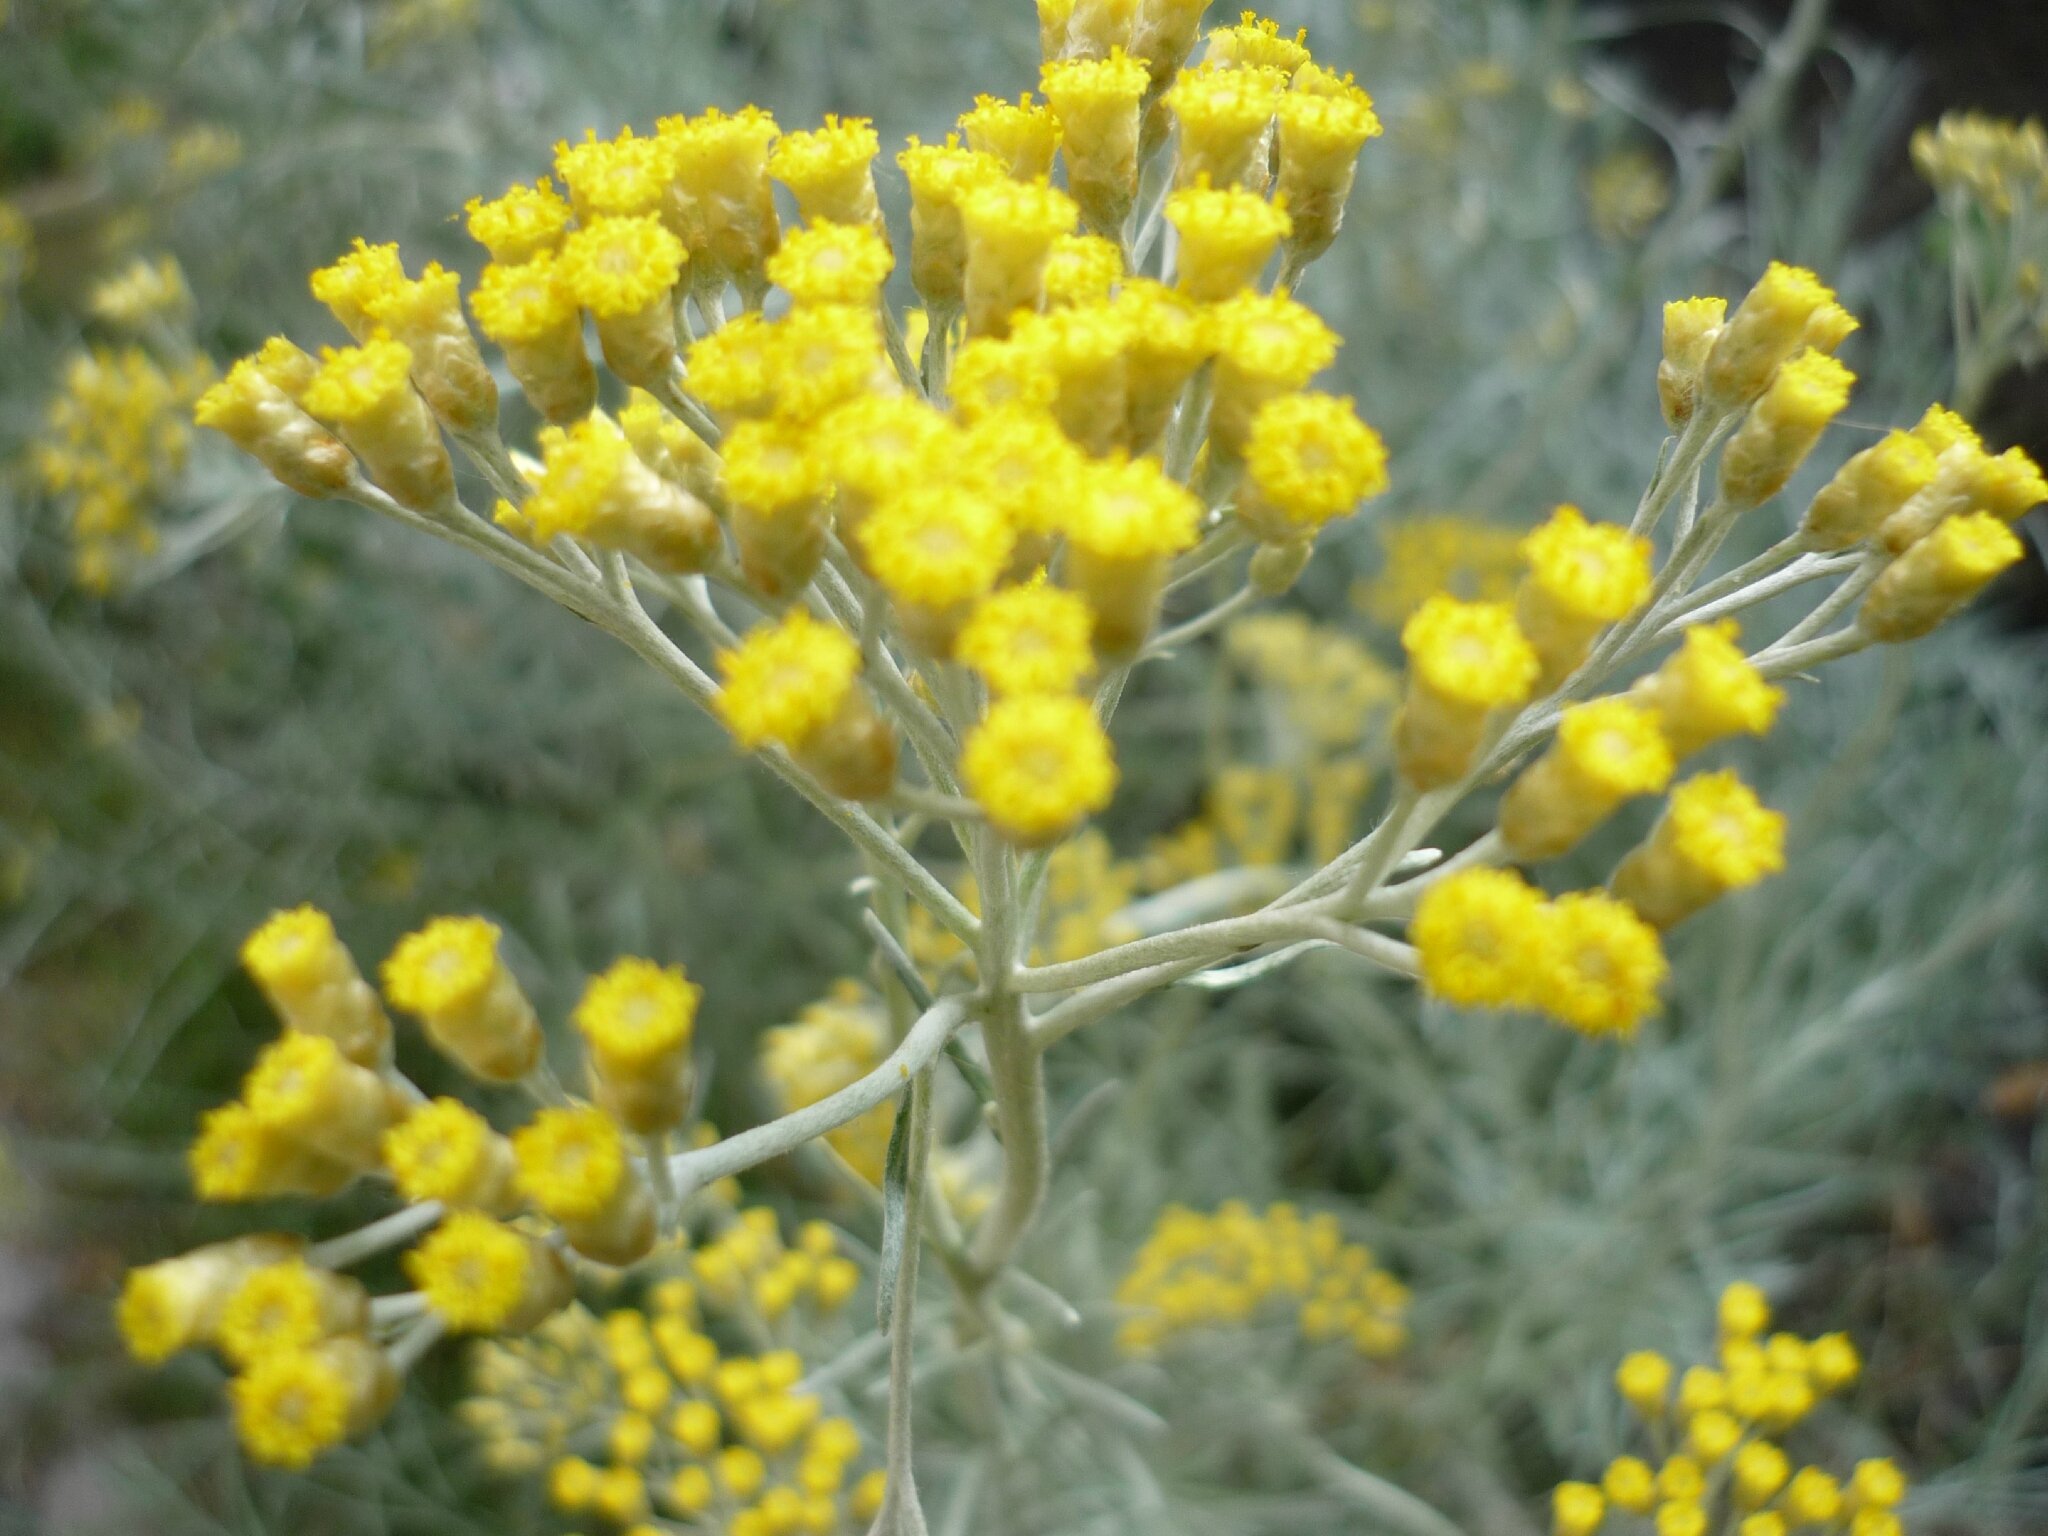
1605, 752
832, 264
1582, 577
1576, 1509
829, 170
1227, 235
1464, 661
347, 285
311, 980
636, 1021
1023, 134
1038, 765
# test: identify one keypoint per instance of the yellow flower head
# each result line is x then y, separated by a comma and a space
572, 1162
287, 1306
621, 266
1025, 466
1616, 747
1768, 326
1038, 765
1081, 269
873, 443
444, 967
1470, 653
1942, 429
1311, 459
1644, 1380
290, 1406
824, 355
830, 169
1576, 1509
1876, 1483
1712, 1435
614, 178
1813, 1497
1480, 934
1722, 833
1743, 1311
1081, 91
936, 545
768, 471
1598, 572
580, 469
1131, 509
1257, 42
785, 681
1605, 965
1023, 134
229, 1158
293, 951
1833, 1362
1271, 339
474, 1271
1759, 1471
940, 175
289, 1083
1689, 328
357, 384
439, 1152
1807, 393
348, 285
1708, 690
735, 370
2009, 485
1226, 236
1221, 113
638, 1011
991, 373
1016, 221
523, 301
1326, 124
1028, 639
1630, 1485
832, 264
522, 224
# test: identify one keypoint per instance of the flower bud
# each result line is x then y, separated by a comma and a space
1867, 490
1767, 328
1690, 328
1582, 577
940, 175
1009, 228
312, 982
528, 310
451, 976
366, 393
830, 171
636, 1021
306, 1093
1096, 101
1605, 752
574, 1168
721, 202
177, 1303
256, 410
1127, 522
1937, 576
1713, 838
1465, 660
1780, 430
594, 486
795, 683
624, 271
1324, 122
447, 369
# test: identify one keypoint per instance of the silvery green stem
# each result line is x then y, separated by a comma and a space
737, 1153
385, 1232
900, 1514
1017, 1076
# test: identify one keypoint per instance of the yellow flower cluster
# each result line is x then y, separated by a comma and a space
1018, 503
641, 1416
324, 1106
1717, 1430
1198, 1272
1991, 161
114, 446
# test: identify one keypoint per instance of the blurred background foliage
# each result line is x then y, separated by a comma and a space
292, 703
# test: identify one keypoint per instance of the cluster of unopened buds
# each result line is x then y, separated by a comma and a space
1716, 1463
967, 553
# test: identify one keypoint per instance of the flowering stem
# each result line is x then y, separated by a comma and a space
415, 1342
385, 1232
1167, 640
1782, 660
735, 1154
1018, 1078
669, 392
1835, 603
487, 451
900, 1514
1796, 574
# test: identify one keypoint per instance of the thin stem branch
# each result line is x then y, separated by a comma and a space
385, 1232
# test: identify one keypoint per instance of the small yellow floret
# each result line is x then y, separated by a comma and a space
580, 468
621, 266
521, 224
292, 950
1630, 1485
1605, 965
1081, 269
1615, 748
1576, 1509
1130, 509
473, 1270
1480, 935
444, 967
1311, 459
286, 1306
1743, 1311
572, 1162
349, 284
832, 264
1038, 765
614, 178
1723, 833
438, 1152
1226, 236
1597, 572
785, 681
1942, 429
1023, 134
1470, 653
638, 1011
1709, 690
768, 470
357, 383
829, 169
936, 545
523, 301
1029, 639
2009, 485
1644, 1380
1270, 338
291, 1406
1833, 1362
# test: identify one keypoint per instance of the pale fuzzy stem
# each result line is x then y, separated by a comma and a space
669, 392
736, 1154
385, 1310
1783, 660
1388, 954
493, 460
1103, 998
1835, 603
1399, 900
385, 1232
900, 1514
1808, 568
1017, 1076
1208, 941
415, 1342
1210, 553
1389, 1507
1200, 624
1695, 441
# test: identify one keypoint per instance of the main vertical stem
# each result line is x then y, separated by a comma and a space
1018, 1079
901, 1514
